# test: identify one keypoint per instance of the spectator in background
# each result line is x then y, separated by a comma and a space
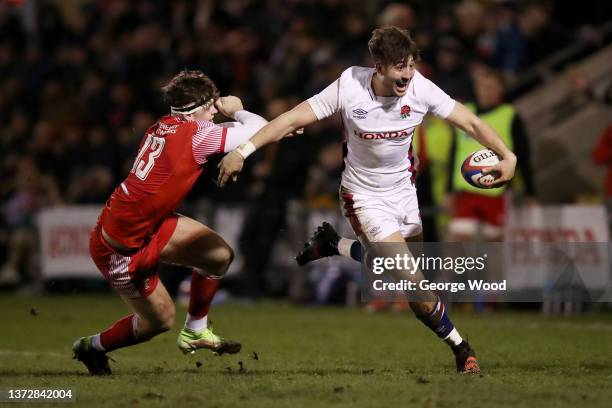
481, 212
321, 189
451, 74
579, 93
93, 186
487, 41
508, 57
541, 35
33, 191
432, 143
356, 32
469, 15
399, 15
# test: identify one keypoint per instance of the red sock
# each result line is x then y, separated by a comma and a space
120, 334
203, 289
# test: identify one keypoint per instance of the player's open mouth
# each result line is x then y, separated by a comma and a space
401, 85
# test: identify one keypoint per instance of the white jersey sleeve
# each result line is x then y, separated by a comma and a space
327, 102
250, 118
211, 138
239, 132
437, 101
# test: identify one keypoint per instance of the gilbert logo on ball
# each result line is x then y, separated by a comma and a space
474, 164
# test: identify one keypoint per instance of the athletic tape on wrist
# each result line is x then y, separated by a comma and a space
246, 149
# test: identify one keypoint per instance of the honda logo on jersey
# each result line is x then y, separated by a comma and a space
397, 134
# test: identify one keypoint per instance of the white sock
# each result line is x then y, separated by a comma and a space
195, 324
96, 344
344, 246
454, 338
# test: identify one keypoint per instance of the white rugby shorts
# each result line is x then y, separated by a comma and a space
375, 218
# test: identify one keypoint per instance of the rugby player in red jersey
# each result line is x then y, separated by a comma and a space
138, 228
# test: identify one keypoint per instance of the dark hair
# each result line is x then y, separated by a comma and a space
190, 89
390, 45
490, 72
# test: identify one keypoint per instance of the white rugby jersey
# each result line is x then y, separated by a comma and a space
378, 130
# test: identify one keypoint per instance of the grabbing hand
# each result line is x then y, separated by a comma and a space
230, 166
503, 171
228, 105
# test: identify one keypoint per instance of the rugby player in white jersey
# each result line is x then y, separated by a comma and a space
380, 109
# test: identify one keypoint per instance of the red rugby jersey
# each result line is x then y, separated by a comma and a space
167, 165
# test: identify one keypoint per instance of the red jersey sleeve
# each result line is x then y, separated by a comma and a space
207, 140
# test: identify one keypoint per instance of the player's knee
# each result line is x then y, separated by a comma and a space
220, 260
165, 320
166, 325
228, 257
168, 319
151, 327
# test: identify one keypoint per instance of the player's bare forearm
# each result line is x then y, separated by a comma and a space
286, 124
464, 119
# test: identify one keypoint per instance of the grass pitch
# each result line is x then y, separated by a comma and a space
310, 357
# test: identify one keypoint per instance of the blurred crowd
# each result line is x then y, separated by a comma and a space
79, 85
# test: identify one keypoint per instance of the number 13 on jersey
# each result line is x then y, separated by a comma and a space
144, 163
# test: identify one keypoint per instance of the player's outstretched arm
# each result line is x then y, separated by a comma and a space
464, 119
287, 123
224, 137
246, 125
231, 106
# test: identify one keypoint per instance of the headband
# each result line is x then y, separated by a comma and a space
192, 108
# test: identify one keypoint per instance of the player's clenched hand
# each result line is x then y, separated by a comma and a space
228, 105
504, 170
230, 166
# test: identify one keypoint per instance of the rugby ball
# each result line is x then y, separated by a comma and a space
472, 167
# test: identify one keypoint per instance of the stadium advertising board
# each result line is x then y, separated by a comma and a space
64, 241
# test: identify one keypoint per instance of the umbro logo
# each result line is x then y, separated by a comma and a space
359, 113
375, 230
